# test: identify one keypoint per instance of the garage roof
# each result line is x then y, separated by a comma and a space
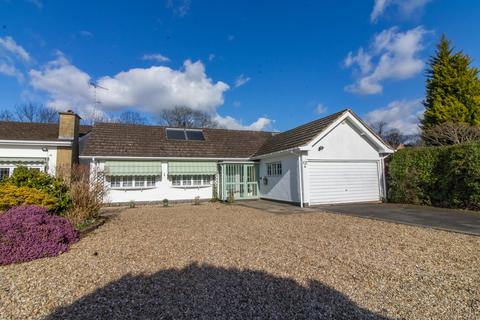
298, 136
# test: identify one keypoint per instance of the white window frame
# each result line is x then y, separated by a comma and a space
274, 169
9, 172
132, 182
192, 180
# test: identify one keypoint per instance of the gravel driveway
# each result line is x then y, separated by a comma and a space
219, 261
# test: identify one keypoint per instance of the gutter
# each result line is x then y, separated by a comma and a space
37, 143
164, 158
276, 153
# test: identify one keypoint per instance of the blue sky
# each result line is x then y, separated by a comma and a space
251, 64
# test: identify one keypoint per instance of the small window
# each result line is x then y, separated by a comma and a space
187, 180
139, 181
176, 180
197, 180
194, 135
176, 134
274, 169
4, 173
115, 182
127, 182
150, 181
207, 180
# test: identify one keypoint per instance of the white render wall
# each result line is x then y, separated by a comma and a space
10, 151
284, 187
163, 189
344, 142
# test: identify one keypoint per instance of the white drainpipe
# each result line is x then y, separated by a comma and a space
300, 177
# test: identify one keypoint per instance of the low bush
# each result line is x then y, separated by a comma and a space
196, 201
55, 187
230, 197
440, 176
11, 195
30, 232
86, 194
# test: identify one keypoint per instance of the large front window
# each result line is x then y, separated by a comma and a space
191, 180
132, 182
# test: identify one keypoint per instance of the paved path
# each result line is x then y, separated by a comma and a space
438, 218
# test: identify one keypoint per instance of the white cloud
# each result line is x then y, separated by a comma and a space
211, 56
320, 108
396, 56
10, 46
361, 59
403, 115
241, 80
179, 7
406, 8
149, 90
86, 34
10, 54
9, 69
37, 3
228, 122
156, 57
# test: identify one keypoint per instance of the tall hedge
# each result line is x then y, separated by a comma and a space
439, 176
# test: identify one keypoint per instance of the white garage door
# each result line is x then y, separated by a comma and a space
340, 182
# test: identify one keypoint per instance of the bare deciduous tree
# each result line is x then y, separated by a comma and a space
449, 133
132, 117
392, 136
31, 112
185, 117
6, 115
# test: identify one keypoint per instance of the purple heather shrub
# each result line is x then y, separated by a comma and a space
30, 232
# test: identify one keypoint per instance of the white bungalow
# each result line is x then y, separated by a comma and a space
335, 159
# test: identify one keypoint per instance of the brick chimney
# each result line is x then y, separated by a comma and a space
68, 130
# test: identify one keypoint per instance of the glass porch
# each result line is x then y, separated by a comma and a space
239, 179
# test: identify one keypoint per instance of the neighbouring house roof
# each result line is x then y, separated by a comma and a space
33, 131
126, 140
298, 136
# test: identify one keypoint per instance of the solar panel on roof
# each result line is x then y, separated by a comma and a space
194, 135
176, 134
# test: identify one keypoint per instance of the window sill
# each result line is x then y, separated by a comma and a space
191, 187
133, 188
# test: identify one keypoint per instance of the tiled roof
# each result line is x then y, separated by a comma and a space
32, 131
298, 136
113, 139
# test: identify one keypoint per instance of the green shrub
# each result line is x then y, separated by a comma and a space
440, 176
11, 196
165, 202
55, 187
196, 201
230, 197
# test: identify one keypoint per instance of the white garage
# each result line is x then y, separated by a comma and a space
336, 159
344, 181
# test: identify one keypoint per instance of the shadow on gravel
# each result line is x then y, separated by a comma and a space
207, 292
